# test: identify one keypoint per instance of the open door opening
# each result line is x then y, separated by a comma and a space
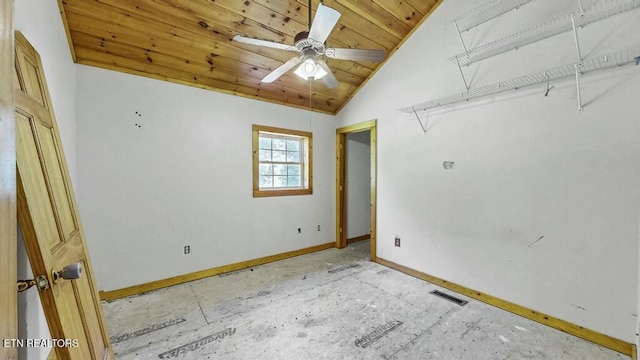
357, 186
351, 142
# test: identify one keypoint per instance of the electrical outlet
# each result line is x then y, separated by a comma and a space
398, 241
187, 249
299, 230
318, 227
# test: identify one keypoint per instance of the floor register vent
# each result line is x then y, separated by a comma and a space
453, 299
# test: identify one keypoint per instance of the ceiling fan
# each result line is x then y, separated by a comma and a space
311, 46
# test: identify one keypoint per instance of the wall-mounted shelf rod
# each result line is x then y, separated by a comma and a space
466, 84
575, 38
580, 7
460, 37
577, 71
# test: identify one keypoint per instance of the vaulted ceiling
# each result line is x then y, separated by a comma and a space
190, 42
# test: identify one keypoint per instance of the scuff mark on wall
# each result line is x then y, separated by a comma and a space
535, 242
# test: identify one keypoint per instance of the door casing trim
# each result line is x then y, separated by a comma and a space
341, 218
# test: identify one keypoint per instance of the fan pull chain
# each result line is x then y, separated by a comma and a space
310, 105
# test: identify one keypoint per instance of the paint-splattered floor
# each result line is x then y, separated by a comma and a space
333, 304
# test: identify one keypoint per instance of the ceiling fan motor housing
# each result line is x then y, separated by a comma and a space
308, 46
300, 36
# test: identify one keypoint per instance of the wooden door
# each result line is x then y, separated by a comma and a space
8, 258
48, 216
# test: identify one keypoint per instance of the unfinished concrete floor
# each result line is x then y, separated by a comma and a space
333, 304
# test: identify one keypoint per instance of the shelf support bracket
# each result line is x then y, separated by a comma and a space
549, 88
575, 38
460, 37
424, 127
577, 68
462, 74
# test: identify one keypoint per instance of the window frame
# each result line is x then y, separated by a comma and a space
307, 161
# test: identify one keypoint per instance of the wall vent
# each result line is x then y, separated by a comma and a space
448, 297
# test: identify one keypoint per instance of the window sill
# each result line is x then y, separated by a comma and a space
268, 193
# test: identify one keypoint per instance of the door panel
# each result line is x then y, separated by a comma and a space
72, 323
42, 208
27, 62
49, 219
58, 182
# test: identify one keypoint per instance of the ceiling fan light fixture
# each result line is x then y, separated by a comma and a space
310, 69
320, 73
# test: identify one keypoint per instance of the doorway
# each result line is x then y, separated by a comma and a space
342, 183
357, 192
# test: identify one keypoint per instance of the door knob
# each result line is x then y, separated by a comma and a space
69, 272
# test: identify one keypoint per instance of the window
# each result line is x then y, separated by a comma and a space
282, 162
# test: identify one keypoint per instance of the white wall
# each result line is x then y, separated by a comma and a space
358, 180
527, 166
185, 178
41, 24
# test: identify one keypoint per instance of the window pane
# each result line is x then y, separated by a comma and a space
280, 169
280, 162
293, 145
279, 156
266, 169
279, 144
293, 170
294, 181
279, 181
293, 156
265, 143
266, 181
265, 155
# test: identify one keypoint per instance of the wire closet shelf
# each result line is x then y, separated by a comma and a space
485, 12
592, 64
599, 11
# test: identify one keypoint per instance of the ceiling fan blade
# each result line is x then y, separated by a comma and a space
324, 21
271, 44
356, 54
280, 70
329, 80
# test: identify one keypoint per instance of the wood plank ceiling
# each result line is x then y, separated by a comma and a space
189, 42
